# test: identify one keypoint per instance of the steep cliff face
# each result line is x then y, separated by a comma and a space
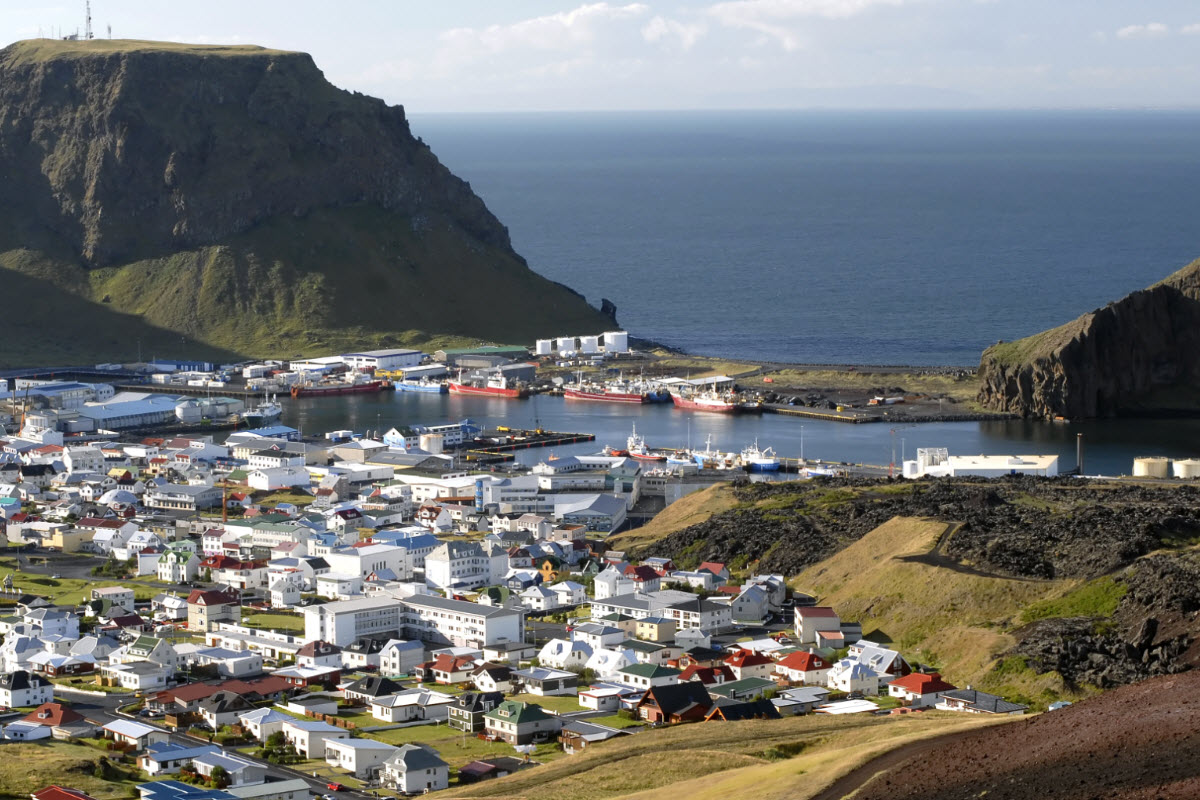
120, 153
1138, 355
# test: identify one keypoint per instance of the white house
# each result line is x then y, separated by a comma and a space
262, 722
564, 654
919, 690
570, 593
539, 598
413, 769
411, 705
309, 736
275, 478
606, 662
362, 758
400, 657
239, 770
848, 675
21, 688
178, 565
611, 582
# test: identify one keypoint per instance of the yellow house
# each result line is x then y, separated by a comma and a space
69, 539
656, 629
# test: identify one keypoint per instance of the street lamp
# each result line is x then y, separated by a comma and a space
802, 461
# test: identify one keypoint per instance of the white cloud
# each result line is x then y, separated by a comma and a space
1191, 30
669, 31
561, 31
771, 17
1151, 30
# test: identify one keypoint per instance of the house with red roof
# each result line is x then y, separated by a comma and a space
805, 668
645, 579
709, 676
54, 715
919, 689
748, 664
55, 792
716, 568
451, 669
208, 607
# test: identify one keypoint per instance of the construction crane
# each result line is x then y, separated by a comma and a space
892, 464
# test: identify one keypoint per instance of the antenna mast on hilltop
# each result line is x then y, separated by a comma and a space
87, 24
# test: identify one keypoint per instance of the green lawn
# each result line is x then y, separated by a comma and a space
295, 498
286, 623
620, 723
30, 766
454, 748
68, 591
563, 705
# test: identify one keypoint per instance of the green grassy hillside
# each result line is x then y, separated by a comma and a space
338, 279
788, 759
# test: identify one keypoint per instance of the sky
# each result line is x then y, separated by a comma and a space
547, 55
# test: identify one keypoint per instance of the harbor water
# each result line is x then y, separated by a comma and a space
1111, 445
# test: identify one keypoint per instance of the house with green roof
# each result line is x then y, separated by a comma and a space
645, 676
521, 723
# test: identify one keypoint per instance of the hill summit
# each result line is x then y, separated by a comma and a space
233, 198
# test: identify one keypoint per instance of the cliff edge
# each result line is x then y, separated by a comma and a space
234, 197
1139, 355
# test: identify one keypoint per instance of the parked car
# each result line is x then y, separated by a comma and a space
336, 787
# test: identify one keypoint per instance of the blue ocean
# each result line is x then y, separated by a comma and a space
834, 237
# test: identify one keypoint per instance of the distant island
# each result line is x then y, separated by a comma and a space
1137, 356
230, 202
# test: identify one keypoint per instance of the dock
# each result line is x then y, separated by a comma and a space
826, 415
527, 440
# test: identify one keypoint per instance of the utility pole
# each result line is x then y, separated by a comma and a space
87, 23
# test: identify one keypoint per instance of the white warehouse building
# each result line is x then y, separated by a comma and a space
383, 359
935, 462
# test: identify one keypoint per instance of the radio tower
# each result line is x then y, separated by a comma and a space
87, 26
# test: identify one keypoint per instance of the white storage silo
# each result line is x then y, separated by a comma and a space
544, 347
589, 344
616, 342
432, 443
566, 344
1151, 467
1186, 468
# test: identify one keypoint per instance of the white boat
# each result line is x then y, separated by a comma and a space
757, 460
263, 414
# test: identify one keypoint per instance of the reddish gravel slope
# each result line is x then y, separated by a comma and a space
1134, 743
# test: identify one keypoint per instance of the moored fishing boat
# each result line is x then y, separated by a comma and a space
265, 413
496, 385
757, 460
638, 450
421, 385
705, 401
335, 387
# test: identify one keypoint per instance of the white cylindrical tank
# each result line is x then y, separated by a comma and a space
1151, 467
1186, 468
616, 342
432, 443
544, 347
566, 344
589, 344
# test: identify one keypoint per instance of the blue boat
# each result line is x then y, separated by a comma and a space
427, 386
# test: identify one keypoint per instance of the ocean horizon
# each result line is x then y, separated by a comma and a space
872, 237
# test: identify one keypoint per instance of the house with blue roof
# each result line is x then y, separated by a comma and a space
175, 790
309, 736
166, 758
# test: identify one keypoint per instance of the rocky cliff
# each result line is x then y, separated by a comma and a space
234, 196
1140, 354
